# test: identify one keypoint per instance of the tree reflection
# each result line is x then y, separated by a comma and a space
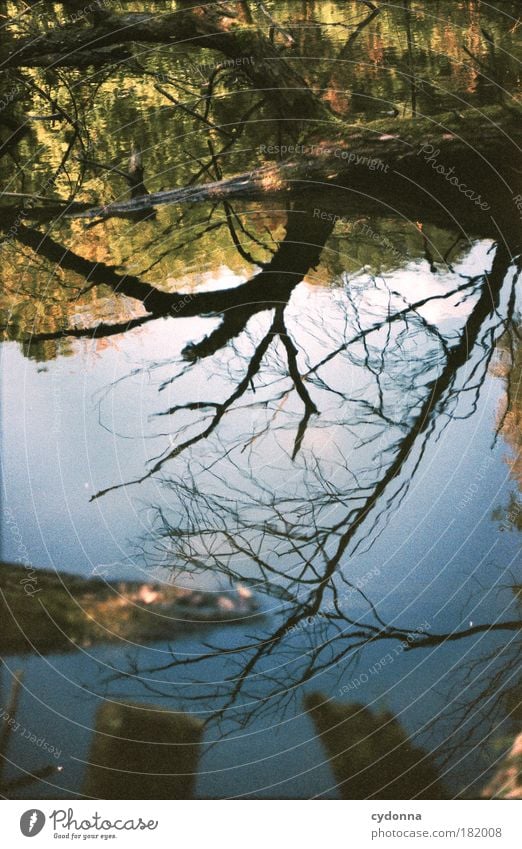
293, 438
296, 426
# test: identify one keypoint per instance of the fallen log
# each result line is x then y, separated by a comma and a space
462, 170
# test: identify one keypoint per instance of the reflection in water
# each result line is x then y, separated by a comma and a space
288, 389
371, 756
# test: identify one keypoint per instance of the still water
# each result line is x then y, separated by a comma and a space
437, 557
